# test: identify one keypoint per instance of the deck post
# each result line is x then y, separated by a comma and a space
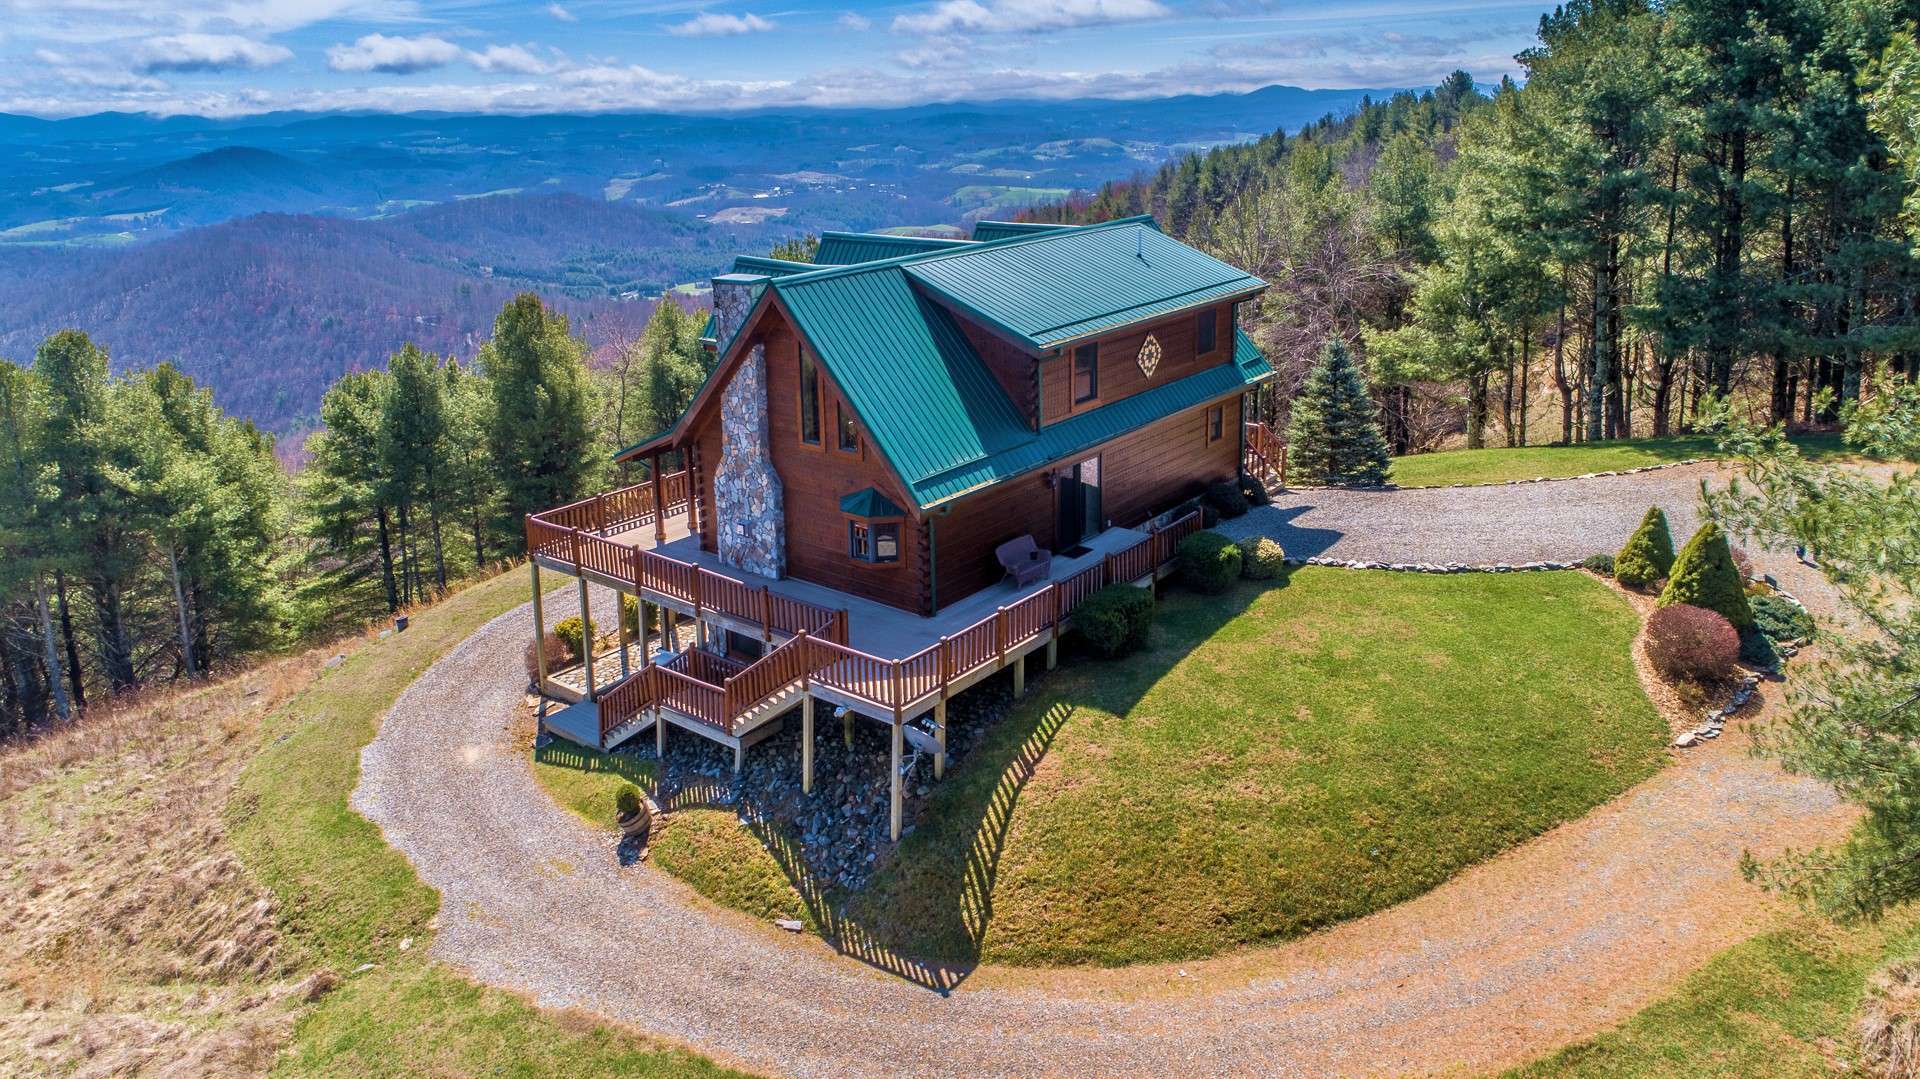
696, 519
739, 756
586, 639
940, 734
659, 503
646, 642
806, 742
620, 603
659, 736
539, 626
1020, 676
894, 817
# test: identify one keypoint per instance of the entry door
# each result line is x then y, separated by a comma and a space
1079, 503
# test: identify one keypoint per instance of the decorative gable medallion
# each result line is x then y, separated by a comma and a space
1149, 355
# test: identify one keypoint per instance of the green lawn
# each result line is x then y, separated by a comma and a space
1499, 465
1281, 758
345, 899
1782, 1004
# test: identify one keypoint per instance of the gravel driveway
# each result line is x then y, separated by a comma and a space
1552, 942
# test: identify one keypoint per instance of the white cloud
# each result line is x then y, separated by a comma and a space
393, 55
1025, 16
713, 24
853, 20
561, 13
209, 52
515, 58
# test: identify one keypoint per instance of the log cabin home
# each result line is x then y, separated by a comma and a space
878, 423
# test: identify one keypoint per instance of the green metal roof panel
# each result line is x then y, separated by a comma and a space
852, 248
1061, 285
989, 231
769, 267
869, 502
924, 396
1064, 439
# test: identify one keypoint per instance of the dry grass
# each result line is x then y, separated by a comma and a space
1890, 1023
133, 941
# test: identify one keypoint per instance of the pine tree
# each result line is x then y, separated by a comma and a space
1704, 575
1648, 554
1334, 436
538, 432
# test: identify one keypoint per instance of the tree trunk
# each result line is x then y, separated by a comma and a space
1477, 411
386, 563
50, 653
1780, 400
74, 677
1600, 372
180, 609
1526, 364
1506, 394
1560, 371
439, 552
116, 649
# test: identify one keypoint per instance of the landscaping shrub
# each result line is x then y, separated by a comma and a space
1756, 650
1704, 576
626, 800
1209, 562
1743, 562
1226, 499
573, 634
1334, 435
1255, 491
556, 655
1648, 554
1598, 563
1692, 643
1261, 559
1116, 619
1781, 619
630, 617
1208, 515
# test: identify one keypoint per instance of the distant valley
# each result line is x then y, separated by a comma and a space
266, 255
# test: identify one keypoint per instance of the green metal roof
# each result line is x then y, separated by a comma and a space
1089, 429
852, 248
1060, 285
988, 231
924, 396
770, 267
869, 502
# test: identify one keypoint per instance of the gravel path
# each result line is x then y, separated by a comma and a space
1552, 942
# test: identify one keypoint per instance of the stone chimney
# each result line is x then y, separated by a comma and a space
750, 523
733, 296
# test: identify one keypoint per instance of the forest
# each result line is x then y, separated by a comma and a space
1682, 203
1684, 207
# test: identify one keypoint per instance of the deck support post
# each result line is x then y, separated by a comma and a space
620, 605
940, 735
539, 626
739, 756
1020, 677
659, 735
669, 628
646, 640
894, 813
659, 502
1053, 652
586, 638
806, 743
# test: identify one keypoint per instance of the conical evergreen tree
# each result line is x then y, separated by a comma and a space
1334, 435
1648, 554
1704, 576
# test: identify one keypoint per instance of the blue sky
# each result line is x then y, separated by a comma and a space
225, 57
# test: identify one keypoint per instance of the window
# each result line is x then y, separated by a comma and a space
1204, 326
1216, 423
809, 400
1086, 373
849, 438
869, 542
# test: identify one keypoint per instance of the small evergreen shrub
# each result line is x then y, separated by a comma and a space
1691, 643
1781, 619
630, 616
1209, 562
1756, 649
1255, 491
1115, 620
1333, 435
1598, 563
1261, 559
1704, 576
626, 800
1647, 556
1226, 499
1743, 562
556, 650
572, 633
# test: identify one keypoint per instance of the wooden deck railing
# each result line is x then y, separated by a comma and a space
729, 692
1266, 453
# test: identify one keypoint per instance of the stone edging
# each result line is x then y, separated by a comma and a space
1513, 483
1433, 567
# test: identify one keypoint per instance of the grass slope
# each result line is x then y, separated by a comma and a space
1781, 1004
348, 899
1279, 759
1524, 463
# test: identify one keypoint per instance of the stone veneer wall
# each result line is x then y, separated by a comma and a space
749, 511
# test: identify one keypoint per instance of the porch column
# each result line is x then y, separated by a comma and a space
586, 637
620, 602
806, 743
659, 503
696, 513
539, 627
646, 642
894, 812
940, 735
